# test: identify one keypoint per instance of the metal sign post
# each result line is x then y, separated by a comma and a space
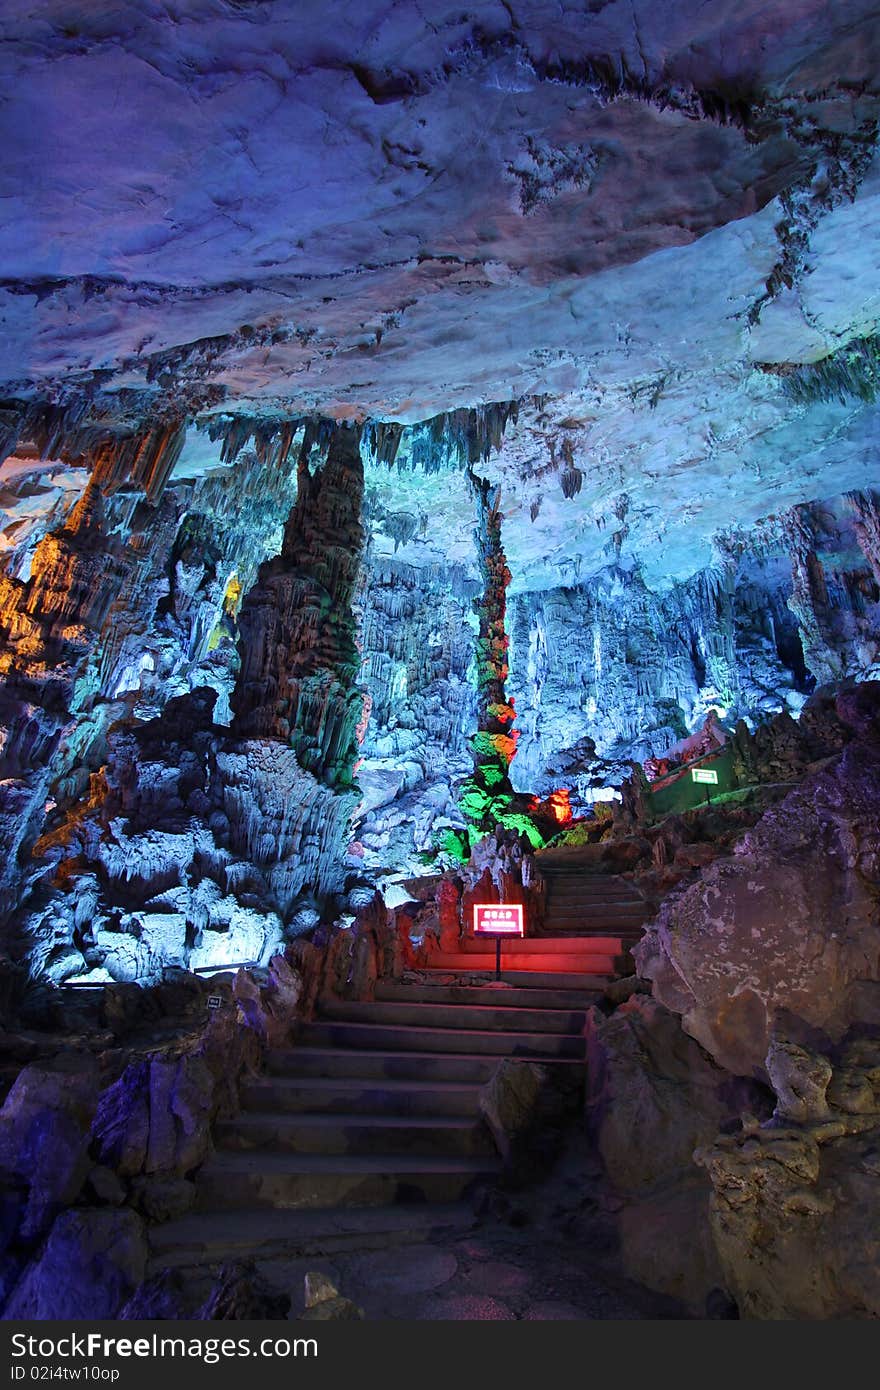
707, 777
498, 920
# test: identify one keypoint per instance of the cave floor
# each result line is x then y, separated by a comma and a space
547, 1251
493, 1272
297, 1193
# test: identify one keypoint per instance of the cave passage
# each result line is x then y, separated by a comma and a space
439, 500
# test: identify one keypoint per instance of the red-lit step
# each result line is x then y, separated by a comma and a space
588, 966
546, 946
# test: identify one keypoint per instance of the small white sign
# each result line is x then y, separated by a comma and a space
705, 775
498, 919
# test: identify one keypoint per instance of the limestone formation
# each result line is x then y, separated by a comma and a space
653, 1098
107, 1250
386, 390
794, 1207
781, 937
44, 1143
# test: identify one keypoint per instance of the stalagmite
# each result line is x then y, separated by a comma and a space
488, 799
299, 659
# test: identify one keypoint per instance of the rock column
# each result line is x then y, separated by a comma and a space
290, 789
48, 628
299, 657
866, 524
809, 599
488, 799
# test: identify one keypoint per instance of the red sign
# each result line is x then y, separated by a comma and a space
498, 919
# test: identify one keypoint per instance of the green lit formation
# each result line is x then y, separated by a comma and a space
487, 798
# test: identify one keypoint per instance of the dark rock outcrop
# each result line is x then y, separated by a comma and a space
44, 1142
653, 1098
795, 1210
92, 1262
783, 936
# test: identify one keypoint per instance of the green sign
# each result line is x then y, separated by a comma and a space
707, 775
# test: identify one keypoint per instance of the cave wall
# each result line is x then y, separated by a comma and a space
788, 606
417, 647
108, 609
229, 703
182, 840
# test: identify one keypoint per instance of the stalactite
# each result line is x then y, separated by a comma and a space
385, 439
866, 524
144, 459
852, 372
451, 439
272, 440
76, 433
571, 480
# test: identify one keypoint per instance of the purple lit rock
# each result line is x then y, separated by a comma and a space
92, 1262
44, 1137
653, 1097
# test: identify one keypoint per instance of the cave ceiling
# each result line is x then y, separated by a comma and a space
646, 222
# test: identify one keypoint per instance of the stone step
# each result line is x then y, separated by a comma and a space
405, 1038
593, 924
483, 1017
291, 1095
574, 903
504, 995
582, 981
212, 1237
561, 925
589, 883
353, 1134
380, 1065
540, 945
577, 924
335, 1180
588, 890
574, 861
573, 963
573, 887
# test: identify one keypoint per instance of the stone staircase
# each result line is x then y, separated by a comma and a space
367, 1132
580, 903
587, 961
591, 922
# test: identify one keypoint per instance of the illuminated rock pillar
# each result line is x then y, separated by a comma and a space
299, 659
290, 790
48, 626
809, 598
866, 524
488, 799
